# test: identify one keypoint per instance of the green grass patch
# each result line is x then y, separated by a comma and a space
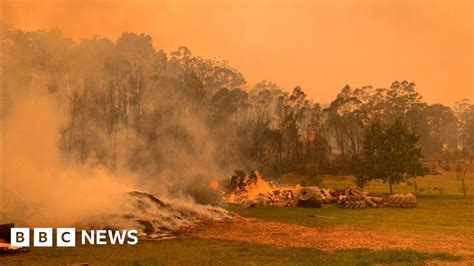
194, 251
450, 214
427, 185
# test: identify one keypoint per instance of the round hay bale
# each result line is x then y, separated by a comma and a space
309, 197
402, 201
353, 202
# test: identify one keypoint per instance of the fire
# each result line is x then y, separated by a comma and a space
312, 136
214, 185
259, 186
254, 188
7, 246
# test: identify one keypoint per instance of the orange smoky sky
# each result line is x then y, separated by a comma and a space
319, 45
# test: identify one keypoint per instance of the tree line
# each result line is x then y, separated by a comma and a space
178, 105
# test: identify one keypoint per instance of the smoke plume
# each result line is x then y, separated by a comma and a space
39, 188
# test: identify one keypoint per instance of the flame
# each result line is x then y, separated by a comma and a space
260, 186
7, 246
254, 187
312, 136
214, 185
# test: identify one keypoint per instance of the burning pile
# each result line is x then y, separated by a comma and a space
254, 190
5, 247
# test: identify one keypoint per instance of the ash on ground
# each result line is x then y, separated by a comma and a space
156, 219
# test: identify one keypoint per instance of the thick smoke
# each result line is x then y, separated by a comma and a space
39, 188
83, 124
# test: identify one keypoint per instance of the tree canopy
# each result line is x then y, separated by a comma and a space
176, 108
390, 153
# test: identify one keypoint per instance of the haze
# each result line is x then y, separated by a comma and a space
319, 45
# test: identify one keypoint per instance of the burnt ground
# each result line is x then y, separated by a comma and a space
329, 239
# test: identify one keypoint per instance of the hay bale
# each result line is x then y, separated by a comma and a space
402, 201
309, 197
352, 202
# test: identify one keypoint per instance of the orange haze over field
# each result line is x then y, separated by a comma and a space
319, 45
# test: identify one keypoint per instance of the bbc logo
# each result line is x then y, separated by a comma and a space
43, 237
66, 237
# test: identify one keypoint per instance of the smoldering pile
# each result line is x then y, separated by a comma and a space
254, 190
156, 219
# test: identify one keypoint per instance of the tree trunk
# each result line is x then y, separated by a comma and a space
463, 187
463, 184
390, 185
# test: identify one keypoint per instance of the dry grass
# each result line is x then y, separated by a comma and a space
330, 239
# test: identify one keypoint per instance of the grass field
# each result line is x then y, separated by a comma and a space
449, 212
448, 215
194, 251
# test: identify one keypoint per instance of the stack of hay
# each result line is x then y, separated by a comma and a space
402, 200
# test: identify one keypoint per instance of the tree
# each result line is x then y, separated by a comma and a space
175, 107
214, 75
435, 125
465, 115
399, 99
460, 175
345, 117
390, 153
